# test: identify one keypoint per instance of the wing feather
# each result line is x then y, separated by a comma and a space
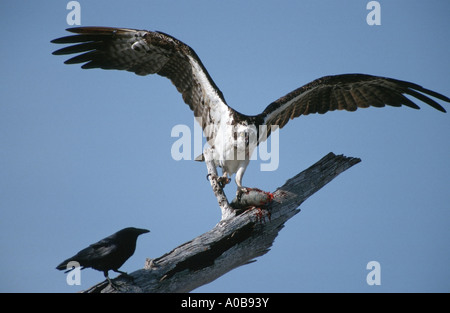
346, 92
146, 52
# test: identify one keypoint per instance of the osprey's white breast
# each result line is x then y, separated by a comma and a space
233, 145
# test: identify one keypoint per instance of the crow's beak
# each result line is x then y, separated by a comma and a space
143, 231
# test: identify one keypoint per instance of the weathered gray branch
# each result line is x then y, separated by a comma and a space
234, 241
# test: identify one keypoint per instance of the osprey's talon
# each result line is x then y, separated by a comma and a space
241, 191
223, 181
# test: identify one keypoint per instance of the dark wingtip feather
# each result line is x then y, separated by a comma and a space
97, 30
425, 99
82, 38
76, 30
65, 39
91, 64
440, 108
422, 94
85, 57
82, 29
83, 47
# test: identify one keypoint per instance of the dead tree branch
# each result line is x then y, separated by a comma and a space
236, 240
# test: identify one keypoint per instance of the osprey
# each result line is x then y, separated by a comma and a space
231, 135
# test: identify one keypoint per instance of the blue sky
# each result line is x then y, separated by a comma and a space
86, 153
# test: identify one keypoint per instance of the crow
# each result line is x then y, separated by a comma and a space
108, 254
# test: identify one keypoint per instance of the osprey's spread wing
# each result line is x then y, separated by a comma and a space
346, 92
146, 52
